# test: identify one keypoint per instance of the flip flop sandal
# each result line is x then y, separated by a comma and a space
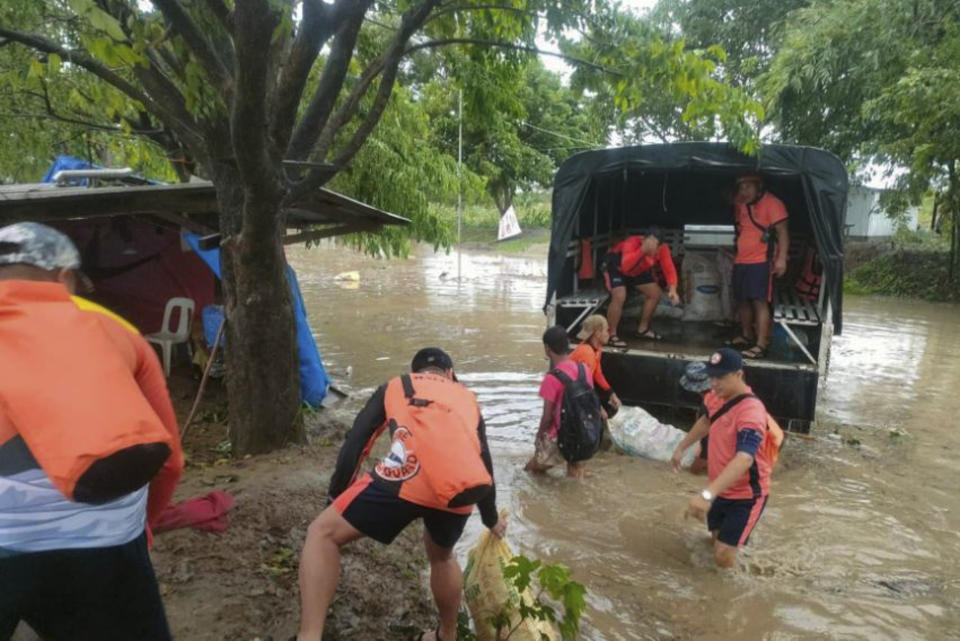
616, 341
756, 352
648, 335
740, 341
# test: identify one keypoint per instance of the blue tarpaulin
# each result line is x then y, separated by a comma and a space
313, 376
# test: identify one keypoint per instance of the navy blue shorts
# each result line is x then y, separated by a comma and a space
89, 594
613, 277
753, 282
380, 515
734, 519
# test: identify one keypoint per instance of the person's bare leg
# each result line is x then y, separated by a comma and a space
615, 309
651, 298
747, 330
577, 470
320, 570
761, 312
446, 582
725, 555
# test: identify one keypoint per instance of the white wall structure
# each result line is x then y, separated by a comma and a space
866, 219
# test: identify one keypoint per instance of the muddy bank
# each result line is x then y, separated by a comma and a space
242, 584
888, 269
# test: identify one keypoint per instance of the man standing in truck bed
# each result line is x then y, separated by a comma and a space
762, 244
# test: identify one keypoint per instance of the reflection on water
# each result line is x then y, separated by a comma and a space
861, 538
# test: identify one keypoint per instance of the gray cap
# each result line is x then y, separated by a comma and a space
37, 245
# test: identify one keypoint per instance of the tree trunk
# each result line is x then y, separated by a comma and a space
263, 381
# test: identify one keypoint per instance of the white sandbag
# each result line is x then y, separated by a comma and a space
701, 287
637, 433
725, 268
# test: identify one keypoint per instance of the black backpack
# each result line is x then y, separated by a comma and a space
581, 426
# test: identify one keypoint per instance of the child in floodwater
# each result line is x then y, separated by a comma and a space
556, 346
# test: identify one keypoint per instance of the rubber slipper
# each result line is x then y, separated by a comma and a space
616, 341
740, 341
756, 352
648, 335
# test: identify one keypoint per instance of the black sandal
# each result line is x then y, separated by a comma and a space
755, 353
740, 341
649, 334
616, 341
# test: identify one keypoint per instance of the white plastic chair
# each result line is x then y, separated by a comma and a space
165, 338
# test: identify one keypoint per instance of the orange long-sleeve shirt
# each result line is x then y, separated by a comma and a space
590, 357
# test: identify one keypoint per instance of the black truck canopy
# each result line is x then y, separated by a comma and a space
689, 183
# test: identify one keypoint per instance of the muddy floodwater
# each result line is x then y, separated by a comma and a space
861, 536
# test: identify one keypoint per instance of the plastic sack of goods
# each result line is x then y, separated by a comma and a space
637, 433
488, 594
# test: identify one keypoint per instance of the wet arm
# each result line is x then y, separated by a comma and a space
700, 429
546, 418
783, 241
366, 428
488, 504
748, 442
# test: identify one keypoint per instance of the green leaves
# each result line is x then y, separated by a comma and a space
99, 19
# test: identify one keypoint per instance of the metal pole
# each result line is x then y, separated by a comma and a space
459, 184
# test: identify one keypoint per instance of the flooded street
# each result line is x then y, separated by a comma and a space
861, 537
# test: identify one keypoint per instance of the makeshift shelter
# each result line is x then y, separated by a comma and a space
132, 236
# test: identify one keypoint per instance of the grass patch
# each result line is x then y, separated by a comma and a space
907, 272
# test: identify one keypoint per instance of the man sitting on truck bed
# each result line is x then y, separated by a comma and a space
630, 263
762, 244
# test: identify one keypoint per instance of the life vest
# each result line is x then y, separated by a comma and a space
808, 285
586, 260
770, 447
68, 391
434, 457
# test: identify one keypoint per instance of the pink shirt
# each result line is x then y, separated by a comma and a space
551, 389
748, 414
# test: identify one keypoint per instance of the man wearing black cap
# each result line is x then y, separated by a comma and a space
630, 263
437, 469
738, 469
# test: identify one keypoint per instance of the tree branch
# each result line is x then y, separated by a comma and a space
178, 120
387, 63
198, 43
509, 45
323, 100
222, 12
254, 23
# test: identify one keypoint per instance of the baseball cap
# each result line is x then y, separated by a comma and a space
556, 339
37, 245
723, 361
42, 247
695, 378
431, 357
591, 326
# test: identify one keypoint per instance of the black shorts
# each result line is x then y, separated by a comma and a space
95, 594
734, 519
382, 516
613, 277
752, 282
